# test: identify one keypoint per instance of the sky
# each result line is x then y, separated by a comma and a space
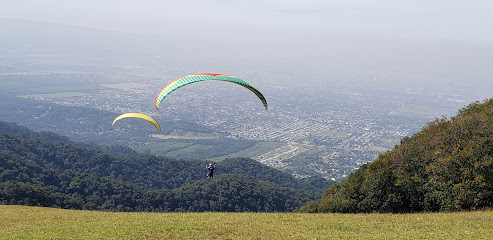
449, 38
442, 20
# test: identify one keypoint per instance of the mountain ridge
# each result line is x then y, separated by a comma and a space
60, 174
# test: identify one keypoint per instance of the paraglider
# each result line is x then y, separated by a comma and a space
141, 116
210, 170
203, 77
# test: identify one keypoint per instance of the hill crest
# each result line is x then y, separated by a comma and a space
447, 166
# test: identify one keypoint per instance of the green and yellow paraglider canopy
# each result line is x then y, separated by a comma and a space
203, 77
141, 116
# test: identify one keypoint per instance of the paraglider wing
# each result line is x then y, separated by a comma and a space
139, 115
203, 77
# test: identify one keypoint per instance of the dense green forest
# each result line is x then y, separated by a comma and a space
448, 166
44, 169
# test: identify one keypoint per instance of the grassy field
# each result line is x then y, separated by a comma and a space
427, 110
332, 134
56, 95
251, 152
19, 222
184, 152
162, 147
176, 149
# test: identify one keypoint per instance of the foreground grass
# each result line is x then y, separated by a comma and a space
20, 222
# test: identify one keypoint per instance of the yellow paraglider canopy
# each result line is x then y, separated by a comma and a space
141, 116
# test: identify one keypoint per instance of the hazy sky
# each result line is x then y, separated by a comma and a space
450, 20
449, 38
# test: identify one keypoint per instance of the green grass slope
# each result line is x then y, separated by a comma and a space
20, 222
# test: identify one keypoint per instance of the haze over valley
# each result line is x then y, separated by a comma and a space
321, 121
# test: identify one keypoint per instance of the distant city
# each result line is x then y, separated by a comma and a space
328, 128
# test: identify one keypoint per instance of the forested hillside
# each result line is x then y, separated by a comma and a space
34, 171
448, 166
12, 128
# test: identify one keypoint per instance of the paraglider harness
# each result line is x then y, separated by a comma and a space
210, 169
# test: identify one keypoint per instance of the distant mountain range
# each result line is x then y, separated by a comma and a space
36, 37
45, 169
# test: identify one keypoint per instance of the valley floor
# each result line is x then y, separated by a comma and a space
20, 222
